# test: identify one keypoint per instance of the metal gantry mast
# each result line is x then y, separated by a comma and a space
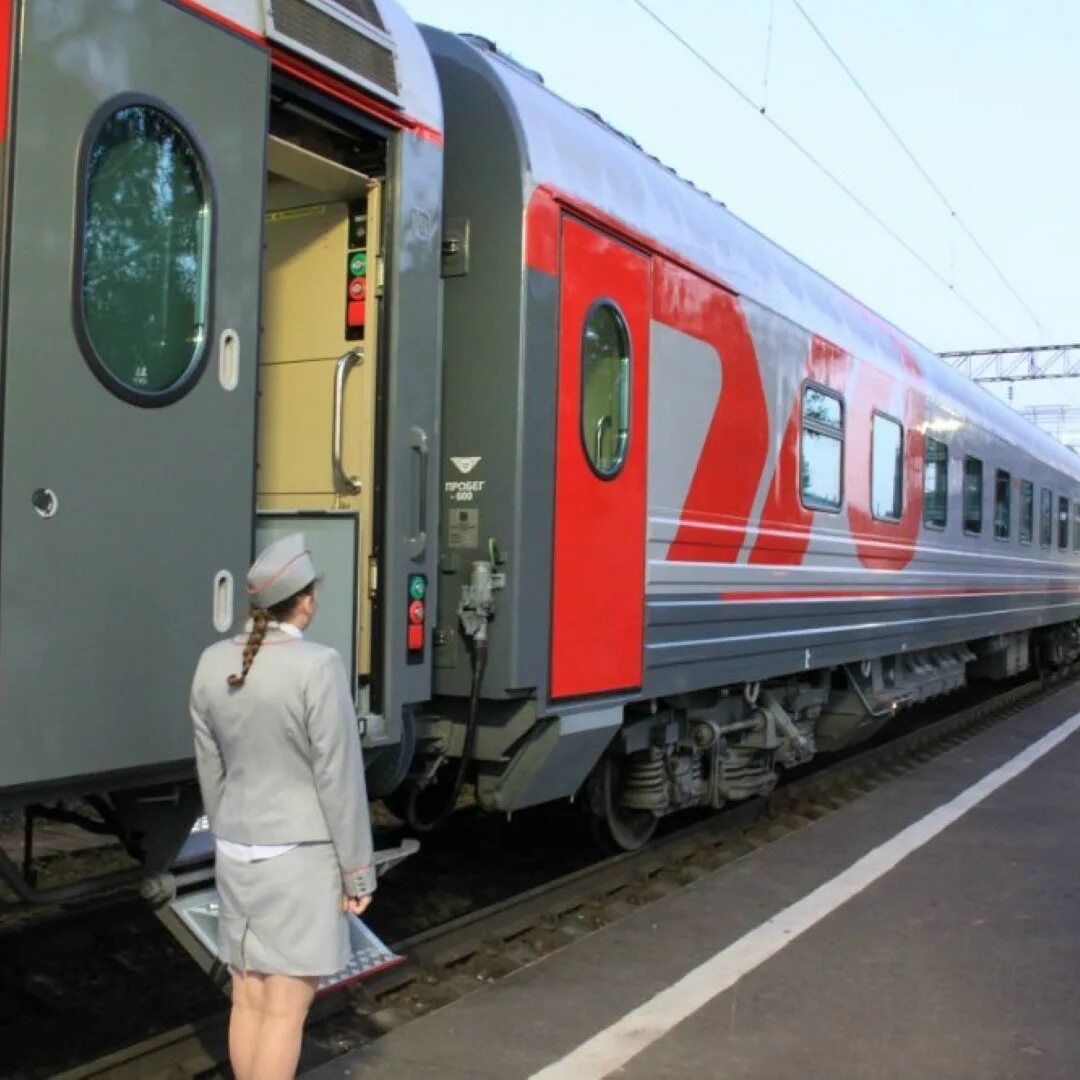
1028, 363
1022, 364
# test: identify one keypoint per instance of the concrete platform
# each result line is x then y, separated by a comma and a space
963, 960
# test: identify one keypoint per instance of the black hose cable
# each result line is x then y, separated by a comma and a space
412, 814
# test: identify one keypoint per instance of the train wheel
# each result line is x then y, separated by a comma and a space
615, 827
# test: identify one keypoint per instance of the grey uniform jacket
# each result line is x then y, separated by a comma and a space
279, 758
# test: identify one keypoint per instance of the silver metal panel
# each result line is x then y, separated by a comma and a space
685, 383
334, 542
412, 382
105, 606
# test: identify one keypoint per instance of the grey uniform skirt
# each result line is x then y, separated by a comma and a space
282, 916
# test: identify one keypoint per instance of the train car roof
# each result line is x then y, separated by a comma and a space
575, 152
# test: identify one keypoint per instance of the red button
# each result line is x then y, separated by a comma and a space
416, 611
416, 637
357, 288
355, 315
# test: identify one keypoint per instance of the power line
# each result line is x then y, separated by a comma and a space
821, 168
918, 165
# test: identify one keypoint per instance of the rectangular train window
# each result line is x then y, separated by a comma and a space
1002, 504
973, 492
821, 449
1076, 526
1027, 511
1063, 522
936, 485
887, 468
1046, 516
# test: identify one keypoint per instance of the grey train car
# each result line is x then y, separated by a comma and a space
221, 319
615, 498
731, 516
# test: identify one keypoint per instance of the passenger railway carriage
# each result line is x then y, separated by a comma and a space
616, 499
740, 516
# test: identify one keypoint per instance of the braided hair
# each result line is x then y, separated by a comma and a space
260, 623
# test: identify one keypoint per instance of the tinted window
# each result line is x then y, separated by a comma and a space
973, 490
1046, 512
936, 484
145, 252
1063, 522
605, 388
821, 452
1002, 504
1027, 511
886, 469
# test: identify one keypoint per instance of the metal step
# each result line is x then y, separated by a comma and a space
187, 903
197, 912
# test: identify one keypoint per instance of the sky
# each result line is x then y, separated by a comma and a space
983, 93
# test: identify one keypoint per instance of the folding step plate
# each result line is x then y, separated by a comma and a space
193, 917
198, 913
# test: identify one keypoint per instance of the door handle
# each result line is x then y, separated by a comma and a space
342, 480
417, 543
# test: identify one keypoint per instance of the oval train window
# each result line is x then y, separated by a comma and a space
145, 258
605, 388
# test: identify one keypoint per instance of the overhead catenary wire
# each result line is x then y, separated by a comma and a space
919, 166
823, 169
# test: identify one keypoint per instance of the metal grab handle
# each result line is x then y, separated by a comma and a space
342, 480
417, 544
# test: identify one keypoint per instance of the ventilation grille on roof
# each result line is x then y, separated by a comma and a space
366, 9
335, 39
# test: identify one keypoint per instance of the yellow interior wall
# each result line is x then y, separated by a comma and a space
303, 335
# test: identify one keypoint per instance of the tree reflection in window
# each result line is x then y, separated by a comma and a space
145, 257
821, 449
935, 484
605, 391
1027, 511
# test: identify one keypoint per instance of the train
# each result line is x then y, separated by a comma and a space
616, 500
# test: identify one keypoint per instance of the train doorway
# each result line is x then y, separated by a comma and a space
319, 356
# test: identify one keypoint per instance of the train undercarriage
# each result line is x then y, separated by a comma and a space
716, 746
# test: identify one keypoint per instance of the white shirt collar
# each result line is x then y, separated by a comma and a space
285, 628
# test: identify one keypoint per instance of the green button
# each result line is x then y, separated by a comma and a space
417, 587
358, 264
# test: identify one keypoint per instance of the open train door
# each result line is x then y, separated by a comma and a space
134, 165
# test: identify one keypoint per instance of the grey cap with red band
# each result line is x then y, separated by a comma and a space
280, 571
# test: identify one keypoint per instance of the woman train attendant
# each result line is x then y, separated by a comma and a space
278, 755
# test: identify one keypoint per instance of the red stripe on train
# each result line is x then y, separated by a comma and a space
5, 62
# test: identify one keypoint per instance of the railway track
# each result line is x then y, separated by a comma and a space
456, 958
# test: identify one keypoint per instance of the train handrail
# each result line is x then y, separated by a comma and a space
342, 480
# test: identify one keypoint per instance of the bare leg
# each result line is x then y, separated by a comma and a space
245, 1018
285, 1003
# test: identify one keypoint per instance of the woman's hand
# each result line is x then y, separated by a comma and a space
355, 905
